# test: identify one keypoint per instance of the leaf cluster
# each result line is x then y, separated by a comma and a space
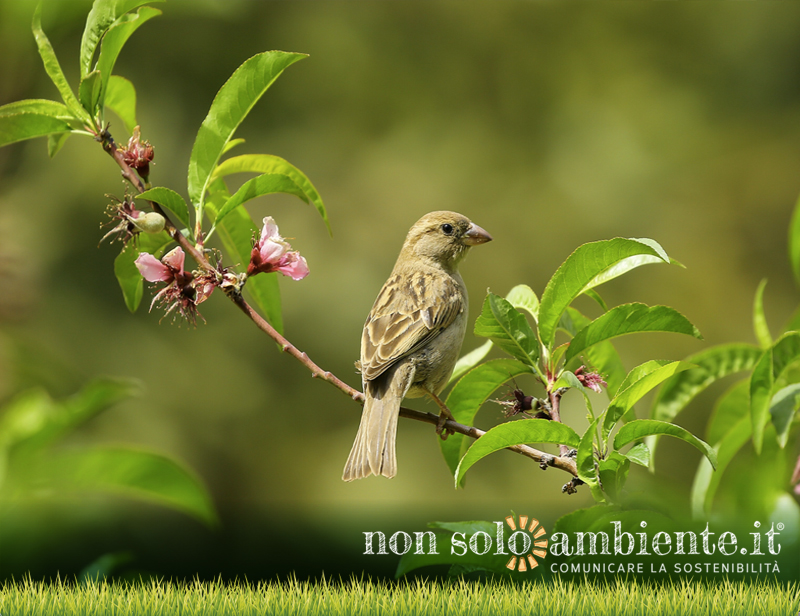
530, 331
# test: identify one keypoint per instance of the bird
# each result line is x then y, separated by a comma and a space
412, 336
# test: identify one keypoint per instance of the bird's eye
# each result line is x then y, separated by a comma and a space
447, 229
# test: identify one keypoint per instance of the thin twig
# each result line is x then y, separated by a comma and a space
555, 414
561, 462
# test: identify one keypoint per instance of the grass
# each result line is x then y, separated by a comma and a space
364, 597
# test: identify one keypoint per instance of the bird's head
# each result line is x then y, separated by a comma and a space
444, 237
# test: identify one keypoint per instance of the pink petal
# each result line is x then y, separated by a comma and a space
203, 292
293, 265
271, 251
270, 229
271, 246
174, 259
152, 269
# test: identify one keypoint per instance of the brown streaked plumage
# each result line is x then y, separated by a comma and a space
413, 335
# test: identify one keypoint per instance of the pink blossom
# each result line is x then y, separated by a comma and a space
271, 253
138, 154
152, 269
592, 380
183, 291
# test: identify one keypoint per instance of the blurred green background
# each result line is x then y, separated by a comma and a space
549, 124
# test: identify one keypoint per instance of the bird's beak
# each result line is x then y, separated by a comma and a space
476, 235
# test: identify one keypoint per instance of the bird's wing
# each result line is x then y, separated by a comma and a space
409, 312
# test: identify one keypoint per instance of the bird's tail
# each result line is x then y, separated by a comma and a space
373, 451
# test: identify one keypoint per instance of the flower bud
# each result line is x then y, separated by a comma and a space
150, 222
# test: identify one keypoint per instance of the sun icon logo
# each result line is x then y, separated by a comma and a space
525, 557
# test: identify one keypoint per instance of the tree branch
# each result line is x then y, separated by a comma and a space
562, 462
555, 413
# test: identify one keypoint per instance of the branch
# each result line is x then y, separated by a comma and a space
561, 462
110, 147
555, 414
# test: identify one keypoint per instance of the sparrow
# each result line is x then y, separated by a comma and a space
413, 334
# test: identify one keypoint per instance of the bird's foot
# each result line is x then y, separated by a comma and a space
440, 429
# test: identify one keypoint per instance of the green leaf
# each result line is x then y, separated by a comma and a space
105, 565
469, 395
128, 276
33, 420
268, 164
53, 69
522, 297
729, 408
114, 40
32, 118
103, 15
89, 92
596, 297
568, 379
759, 320
713, 364
39, 106
600, 518
169, 199
23, 416
769, 369
120, 97
652, 375
589, 266
56, 141
267, 184
602, 357
232, 103
516, 433
782, 409
19, 127
231, 144
470, 360
613, 473
237, 232
639, 453
641, 371
135, 473
794, 242
641, 428
586, 462
629, 319
508, 329
706, 480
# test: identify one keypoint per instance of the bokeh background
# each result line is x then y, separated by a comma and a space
549, 124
